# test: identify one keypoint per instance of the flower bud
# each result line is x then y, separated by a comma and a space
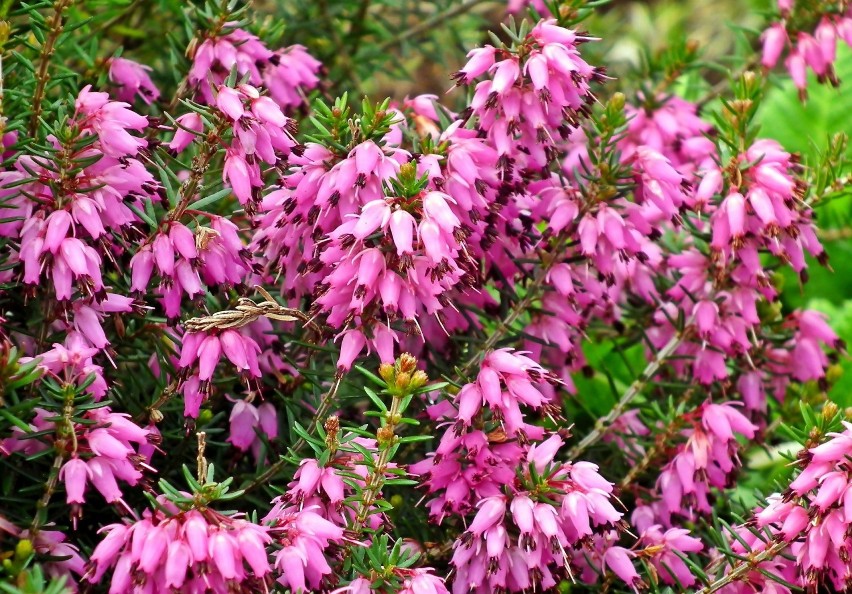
418, 380
402, 382
386, 372
616, 102
829, 410
385, 436
407, 363
23, 549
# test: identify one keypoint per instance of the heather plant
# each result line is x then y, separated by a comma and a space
474, 296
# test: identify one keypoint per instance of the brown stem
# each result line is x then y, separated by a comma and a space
431, 23
533, 292
64, 431
743, 567
152, 413
672, 429
322, 410
604, 424
193, 184
56, 26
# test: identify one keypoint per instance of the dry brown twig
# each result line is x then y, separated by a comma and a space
247, 311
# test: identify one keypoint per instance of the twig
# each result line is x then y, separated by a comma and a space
840, 234
193, 184
604, 424
247, 311
533, 292
65, 431
376, 478
47, 50
724, 84
431, 23
636, 470
743, 567
322, 410
153, 413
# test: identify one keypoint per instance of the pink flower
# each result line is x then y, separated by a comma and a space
169, 551
132, 79
617, 559
303, 536
74, 474
188, 126
248, 423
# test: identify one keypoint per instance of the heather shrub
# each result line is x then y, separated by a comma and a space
356, 296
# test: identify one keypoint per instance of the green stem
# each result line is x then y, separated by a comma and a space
56, 27
64, 431
743, 567
322, 410
376, 477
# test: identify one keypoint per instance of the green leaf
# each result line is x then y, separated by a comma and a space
211, 199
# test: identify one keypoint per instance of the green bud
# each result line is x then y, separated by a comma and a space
386, 372
834, 373
418, 380
616, 102
205, 416
396, 501
23, 549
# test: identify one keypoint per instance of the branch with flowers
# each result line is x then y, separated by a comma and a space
226, 281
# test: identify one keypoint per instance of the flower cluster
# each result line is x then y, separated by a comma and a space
707, 459
188, 260
812, 518
300, 538
249, 424
535, 94
63, 237
132, 79
526, 539
193, 551
611, 268
472, 463
262, 133
286, 73
100, 448
808, 43
199, 356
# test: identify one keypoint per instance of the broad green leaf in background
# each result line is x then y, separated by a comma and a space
806, 129
840, 318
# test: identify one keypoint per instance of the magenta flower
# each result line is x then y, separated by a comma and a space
188, 550
287, 73
300, 538
132, 79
